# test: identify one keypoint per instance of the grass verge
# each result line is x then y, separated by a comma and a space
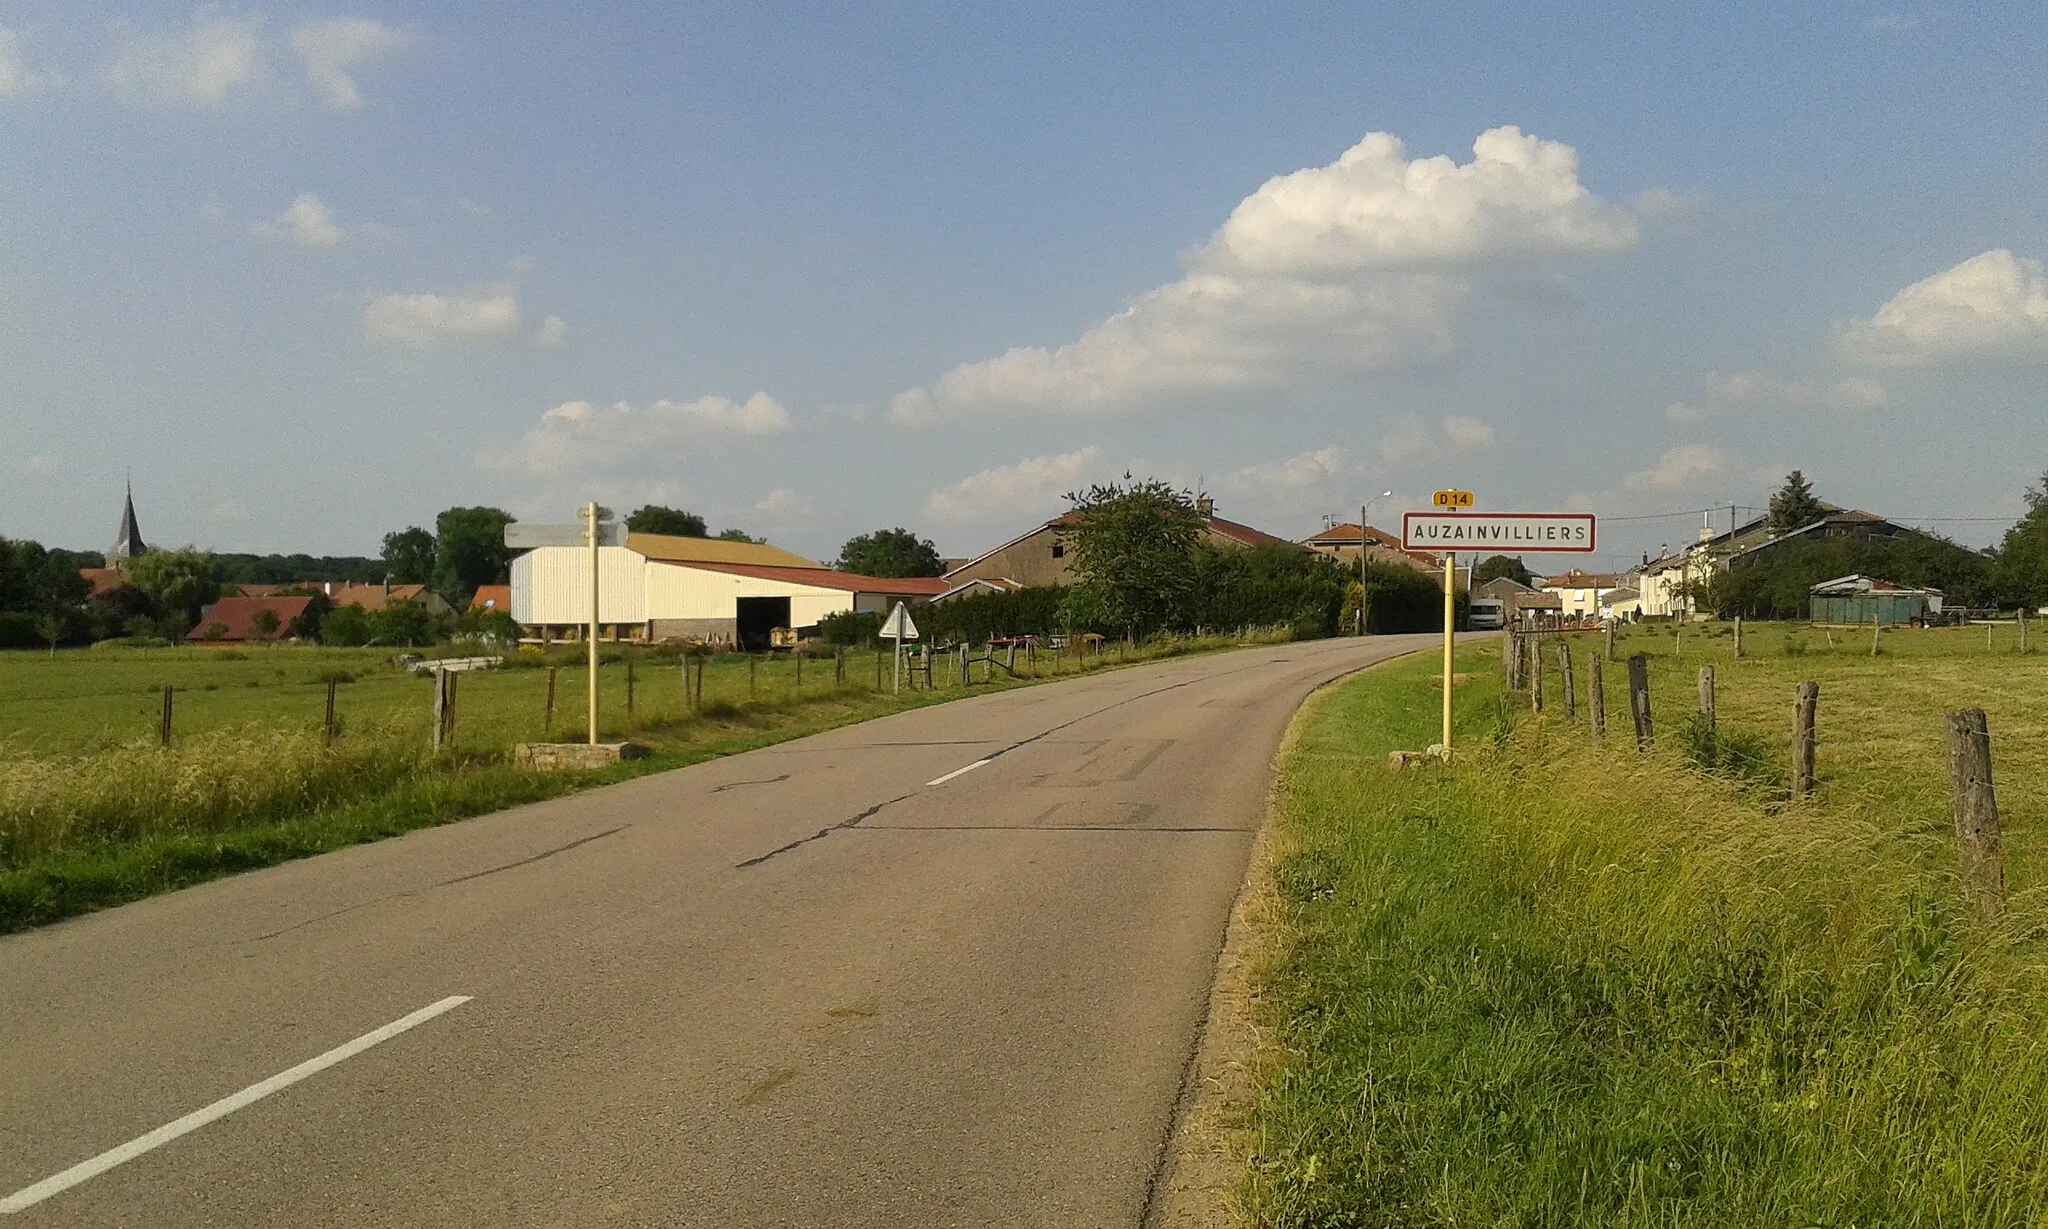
1556, 983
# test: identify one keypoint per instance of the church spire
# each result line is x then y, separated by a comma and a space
128, 542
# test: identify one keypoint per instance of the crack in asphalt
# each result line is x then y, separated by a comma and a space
736, 784
585, 840
821, 833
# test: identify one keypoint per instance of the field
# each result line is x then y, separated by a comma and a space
1557, 982
94, 812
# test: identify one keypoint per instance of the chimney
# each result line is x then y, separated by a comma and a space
327, 588
387, 585
1206, 508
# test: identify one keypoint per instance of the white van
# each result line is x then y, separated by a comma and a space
1487, 614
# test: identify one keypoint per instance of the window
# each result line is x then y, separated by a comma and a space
1059, 550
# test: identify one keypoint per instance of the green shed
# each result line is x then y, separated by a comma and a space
1863, 599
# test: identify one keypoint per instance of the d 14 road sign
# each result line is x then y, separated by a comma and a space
1569, 533
1453, 499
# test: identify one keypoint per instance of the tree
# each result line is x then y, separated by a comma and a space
2022, 570
890, 552
263, 624
307, 623
51, 626
346, 626
1794, 506
653, 518
1493, 567
408, 556
470, 550
403, 623
1133, 547
739, 535
178, 582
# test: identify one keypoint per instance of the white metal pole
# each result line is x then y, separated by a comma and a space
590, 530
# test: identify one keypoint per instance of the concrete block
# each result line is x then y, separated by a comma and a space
575, 757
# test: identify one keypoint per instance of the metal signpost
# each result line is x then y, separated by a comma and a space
1449, 530
898, 628
597, 529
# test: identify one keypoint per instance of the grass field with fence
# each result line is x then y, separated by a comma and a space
1561, 981
95, 808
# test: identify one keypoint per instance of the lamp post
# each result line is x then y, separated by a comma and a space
1363, 509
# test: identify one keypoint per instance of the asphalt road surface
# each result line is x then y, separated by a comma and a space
835, 982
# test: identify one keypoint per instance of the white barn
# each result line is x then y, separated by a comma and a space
657, 588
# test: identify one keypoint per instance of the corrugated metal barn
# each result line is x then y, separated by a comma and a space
657, 588
1863, 600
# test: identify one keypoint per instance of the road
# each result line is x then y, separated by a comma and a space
832, 982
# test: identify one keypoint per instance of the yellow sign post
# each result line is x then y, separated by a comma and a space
1452, 500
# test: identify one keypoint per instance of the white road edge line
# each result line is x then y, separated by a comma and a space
29, 1196
957, 772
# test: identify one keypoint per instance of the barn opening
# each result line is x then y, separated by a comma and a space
759, 616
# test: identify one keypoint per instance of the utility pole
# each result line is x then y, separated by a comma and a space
590, 515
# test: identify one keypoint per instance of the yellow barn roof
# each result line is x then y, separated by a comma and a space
714, 550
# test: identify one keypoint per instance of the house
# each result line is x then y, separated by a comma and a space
1517, 600
657, 588
491, 597
1039, 556
1344, 541
373, 598
103, 580
236, 619
1862, 599
1623, 604
1668, 585
1579, 592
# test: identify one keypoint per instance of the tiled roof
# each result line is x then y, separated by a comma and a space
826, 578
492, 597
103, 579
238, 615
371, 598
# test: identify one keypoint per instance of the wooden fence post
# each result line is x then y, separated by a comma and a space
1707, 696
1596, 695
878, 667
448, 713
327, 727
798, 653
1569, 684
2023, 629
163, 732
1738, 636
1639, 701
1610, 640
548, 718
963, 663
630, 681
839, 665
1875, 628
1805, 705
753, 664
1975, 806
440, 708
1535, 675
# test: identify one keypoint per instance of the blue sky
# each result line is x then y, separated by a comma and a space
315, 273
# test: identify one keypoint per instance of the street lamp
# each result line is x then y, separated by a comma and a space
1363, 509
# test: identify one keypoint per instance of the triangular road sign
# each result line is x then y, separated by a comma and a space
898, 625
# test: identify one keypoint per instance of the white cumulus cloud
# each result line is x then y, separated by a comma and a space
1757, 387
431, 321
1992, 307
1027, 490
585, 436
17, 80
1374, 208
1343, 268
203, 66
1413, 438
784, 505
306, 222
1304, 471
330, 50
552, 333
1678, 469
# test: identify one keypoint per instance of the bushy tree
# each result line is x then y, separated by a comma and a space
263, 624
1494, 567
408, 557
2022, 569
306, 624
1777, 584
179, 582
1794, 506
653, 518
739, 535
404, 623
470, 550
1132, 546
346, 627
890, 552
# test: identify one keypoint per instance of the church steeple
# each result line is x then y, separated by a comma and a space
128, 542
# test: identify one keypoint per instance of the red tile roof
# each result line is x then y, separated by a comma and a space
373, 598
826, 578
1346, 533
238, 615
103, 579
492, 597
